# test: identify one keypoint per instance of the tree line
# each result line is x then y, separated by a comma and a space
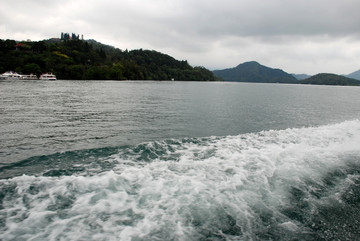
89, 60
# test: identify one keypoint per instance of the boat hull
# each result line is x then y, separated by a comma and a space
50, 77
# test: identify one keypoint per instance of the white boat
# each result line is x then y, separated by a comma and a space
29, 77
10, 75
47, 77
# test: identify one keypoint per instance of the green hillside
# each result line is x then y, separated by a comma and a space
255, 72
90, 60
330, 79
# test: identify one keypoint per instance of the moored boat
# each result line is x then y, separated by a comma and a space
47, 76
10, 75
28, 77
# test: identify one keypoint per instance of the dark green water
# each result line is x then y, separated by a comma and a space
88, 160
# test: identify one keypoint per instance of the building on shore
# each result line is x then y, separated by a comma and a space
73, 36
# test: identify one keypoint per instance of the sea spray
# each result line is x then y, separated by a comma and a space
300, 183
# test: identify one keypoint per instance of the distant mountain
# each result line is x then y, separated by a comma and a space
354, 75
301, 76
330, 79
255, 72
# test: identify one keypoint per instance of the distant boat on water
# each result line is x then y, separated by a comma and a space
29, 77
10, 75
47, 76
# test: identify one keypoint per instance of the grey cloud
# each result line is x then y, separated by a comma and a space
276, 17
209, 33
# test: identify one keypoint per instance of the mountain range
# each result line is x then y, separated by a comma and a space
254, 72
89, 59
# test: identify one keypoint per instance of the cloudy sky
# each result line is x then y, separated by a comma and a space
298, 36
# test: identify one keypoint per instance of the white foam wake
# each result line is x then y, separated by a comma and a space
241, 187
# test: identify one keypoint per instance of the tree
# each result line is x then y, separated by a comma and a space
32, 68
39, 47
9, 45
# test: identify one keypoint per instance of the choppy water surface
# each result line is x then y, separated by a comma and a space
178, 161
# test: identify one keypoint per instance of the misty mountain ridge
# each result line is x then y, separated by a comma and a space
354, 75
254, 72
301, 76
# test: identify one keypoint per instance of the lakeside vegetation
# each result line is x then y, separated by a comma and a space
89, 60
330, 79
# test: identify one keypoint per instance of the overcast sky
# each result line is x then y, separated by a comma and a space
298, 36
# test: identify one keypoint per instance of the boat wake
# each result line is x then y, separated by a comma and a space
293, 184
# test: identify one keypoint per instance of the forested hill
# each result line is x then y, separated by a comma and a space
90, 60
330, 79
254, 72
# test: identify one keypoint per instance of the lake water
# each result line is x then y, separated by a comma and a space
93, 160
